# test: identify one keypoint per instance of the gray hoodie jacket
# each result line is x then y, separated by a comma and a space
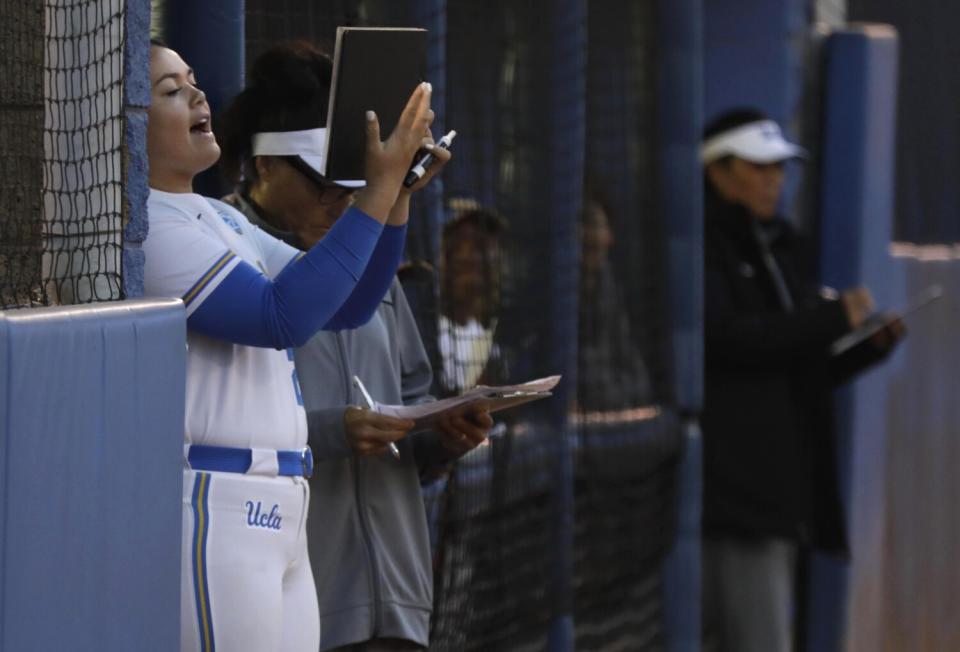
367, 528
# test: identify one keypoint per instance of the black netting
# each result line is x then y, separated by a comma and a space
501, 299
545, 253
628, 445
21, 151
270, 21
61, 151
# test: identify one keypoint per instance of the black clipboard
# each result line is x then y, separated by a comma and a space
374, 68
876, 323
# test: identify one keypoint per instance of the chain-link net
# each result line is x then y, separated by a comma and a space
625, 469
550, 256
61, 128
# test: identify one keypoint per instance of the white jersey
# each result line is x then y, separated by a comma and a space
464, 351
238, 396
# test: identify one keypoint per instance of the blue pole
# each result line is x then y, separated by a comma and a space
428, 213
136, 89
567, 131
681, 109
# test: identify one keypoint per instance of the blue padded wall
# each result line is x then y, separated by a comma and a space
752, 55
91, 452
856, 213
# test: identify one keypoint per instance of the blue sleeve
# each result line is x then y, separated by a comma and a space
373, 285
248, 308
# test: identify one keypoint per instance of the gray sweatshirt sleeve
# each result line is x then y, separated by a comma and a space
416, 378
326, 433
416, 374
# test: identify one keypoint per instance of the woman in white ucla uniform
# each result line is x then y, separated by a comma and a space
246, 580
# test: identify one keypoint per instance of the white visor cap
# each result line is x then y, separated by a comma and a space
309, 144
758, 142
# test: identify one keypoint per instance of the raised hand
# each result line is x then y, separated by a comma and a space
401, 208
387, 162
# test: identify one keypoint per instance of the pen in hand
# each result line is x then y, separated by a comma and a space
417, 171
371, 405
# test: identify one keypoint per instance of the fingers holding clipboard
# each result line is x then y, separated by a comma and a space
885, 320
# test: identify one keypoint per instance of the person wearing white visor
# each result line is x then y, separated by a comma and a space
770, 490
367, 530
744, 163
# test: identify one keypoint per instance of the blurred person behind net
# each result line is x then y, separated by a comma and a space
470, 286
611, 372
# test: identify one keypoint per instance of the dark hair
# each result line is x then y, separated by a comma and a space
158, 43
287, 90
732, 119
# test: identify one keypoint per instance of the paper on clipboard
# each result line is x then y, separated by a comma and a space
493, 398
879, 321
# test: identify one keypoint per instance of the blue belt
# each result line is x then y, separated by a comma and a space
238, 460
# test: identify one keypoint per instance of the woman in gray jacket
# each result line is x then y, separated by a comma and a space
367, 529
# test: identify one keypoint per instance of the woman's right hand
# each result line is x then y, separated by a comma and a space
388, 162
370, 433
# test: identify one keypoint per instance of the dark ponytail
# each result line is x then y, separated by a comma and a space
287, 90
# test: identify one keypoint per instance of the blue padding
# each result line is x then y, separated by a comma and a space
856, 225
91, 452
856, 202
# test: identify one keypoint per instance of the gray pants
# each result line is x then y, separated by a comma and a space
748, 595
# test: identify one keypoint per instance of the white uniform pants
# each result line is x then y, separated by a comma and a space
245, 580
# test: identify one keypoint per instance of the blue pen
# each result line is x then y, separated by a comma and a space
371, 405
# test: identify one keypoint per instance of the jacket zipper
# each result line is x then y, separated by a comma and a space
360, 496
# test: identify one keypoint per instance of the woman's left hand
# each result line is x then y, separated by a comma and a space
441, 156
888, 337
462, 433
401, 208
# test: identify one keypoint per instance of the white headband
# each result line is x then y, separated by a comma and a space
759, 142
309, 144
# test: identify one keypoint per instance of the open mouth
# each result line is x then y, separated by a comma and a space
201, 126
